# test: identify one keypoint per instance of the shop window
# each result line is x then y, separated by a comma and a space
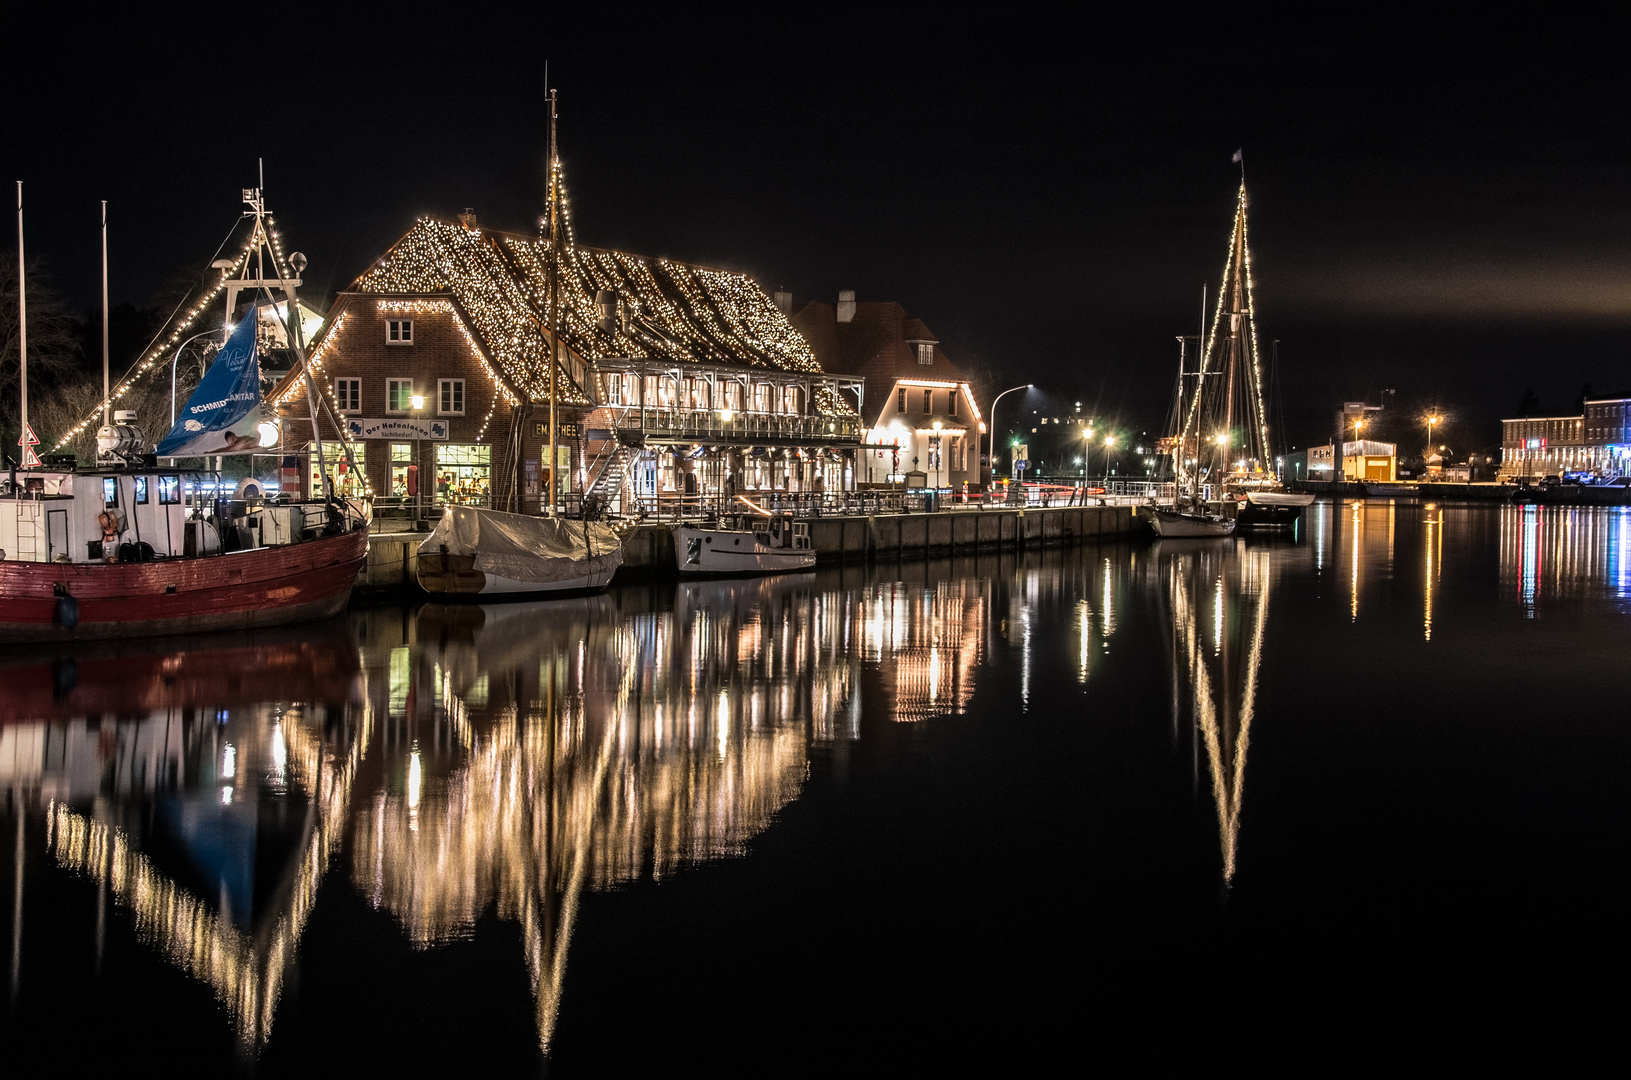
348, 392
348, 483
399, 331
401, 458
451, 397
463, 473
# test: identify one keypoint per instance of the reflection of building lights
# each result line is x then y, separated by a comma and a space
229, 761
413, 780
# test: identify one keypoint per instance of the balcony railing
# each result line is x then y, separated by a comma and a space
700, 425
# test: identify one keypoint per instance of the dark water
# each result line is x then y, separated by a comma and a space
1355, 797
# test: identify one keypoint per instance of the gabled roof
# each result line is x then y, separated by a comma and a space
874, 345
679, 312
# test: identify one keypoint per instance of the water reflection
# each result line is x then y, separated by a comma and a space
1215, 599
458, 761
1562, 553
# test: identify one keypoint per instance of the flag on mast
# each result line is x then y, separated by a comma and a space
228, 397
1238, 157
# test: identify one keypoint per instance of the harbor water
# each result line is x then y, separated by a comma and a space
1355, 794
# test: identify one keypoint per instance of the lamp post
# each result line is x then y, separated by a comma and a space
991, 439
1109, 444
418, 403
937, 426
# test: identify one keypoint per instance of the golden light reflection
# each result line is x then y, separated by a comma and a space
244, 969
1217, 679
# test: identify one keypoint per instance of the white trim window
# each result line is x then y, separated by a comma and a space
399, 331
450, 397
348, 392
900, 400
952, 409
928, 401
398, 395
925, 353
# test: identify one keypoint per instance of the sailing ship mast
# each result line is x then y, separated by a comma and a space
1225, 419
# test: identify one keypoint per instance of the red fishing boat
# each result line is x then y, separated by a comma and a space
129, 549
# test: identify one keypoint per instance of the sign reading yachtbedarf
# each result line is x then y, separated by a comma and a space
396, 427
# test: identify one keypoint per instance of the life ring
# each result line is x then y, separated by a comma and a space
249, 489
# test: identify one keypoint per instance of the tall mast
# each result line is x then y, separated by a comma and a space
107, 399
22, 326
554, 300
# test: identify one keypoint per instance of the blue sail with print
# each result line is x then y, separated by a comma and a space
221, 416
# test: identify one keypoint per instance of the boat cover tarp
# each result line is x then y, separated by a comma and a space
521, 548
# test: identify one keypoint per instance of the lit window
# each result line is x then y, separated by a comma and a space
169, 490
399, 331
398, 395
110, 491
925, 353
349, 393
451, 397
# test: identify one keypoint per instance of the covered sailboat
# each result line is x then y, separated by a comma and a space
476, 552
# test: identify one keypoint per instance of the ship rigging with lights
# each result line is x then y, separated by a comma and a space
1222, 462
134, 546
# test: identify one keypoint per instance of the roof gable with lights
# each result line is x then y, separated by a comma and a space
671, 312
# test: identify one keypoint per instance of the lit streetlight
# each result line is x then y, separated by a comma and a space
991, 439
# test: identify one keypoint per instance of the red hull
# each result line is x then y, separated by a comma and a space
264, 587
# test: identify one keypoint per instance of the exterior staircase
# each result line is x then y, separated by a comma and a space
609, 458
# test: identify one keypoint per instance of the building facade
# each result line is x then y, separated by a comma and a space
1596, 441
673, 385
922, 422
1362, 459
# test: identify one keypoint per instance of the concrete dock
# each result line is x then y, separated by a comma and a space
648, 550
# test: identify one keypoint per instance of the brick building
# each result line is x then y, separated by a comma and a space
917, 404
1597, 440
675, 383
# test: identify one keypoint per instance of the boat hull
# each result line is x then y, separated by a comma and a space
456, 576
268, 586
732, 553
1171, 524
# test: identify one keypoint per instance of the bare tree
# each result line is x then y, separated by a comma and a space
53, 344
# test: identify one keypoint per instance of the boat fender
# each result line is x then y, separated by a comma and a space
67, 607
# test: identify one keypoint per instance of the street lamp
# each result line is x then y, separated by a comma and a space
937, 457
991, 439
418, 403
1431, 420
1109, 444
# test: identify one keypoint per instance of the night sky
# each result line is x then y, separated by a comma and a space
1437, 208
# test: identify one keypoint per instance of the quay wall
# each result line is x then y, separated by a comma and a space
648, 551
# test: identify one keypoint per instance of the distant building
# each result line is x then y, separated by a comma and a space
919, 411
1597, 440
1362, 459
674, 382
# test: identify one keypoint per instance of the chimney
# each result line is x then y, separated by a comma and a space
784, 301
846, 305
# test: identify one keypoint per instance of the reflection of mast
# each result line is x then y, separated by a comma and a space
244, 970
1206, 650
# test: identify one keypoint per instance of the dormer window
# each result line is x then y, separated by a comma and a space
925, 353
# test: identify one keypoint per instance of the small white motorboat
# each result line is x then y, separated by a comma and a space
767, 545
475, 552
